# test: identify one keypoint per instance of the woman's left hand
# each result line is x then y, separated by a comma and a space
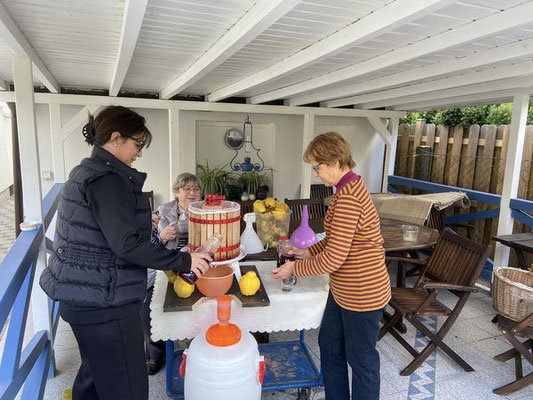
155, 220
284, 271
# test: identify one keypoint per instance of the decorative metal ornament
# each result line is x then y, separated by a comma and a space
247, 165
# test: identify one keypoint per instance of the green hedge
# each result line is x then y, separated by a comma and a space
496, 114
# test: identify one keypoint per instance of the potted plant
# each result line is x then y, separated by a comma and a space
214, 180
250, 181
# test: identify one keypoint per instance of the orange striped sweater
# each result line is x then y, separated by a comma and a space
352, 252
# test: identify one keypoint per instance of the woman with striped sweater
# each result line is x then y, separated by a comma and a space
352, 254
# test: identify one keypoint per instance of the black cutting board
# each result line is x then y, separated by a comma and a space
260, 299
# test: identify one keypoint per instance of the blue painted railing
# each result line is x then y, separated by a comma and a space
519, 207
28, 366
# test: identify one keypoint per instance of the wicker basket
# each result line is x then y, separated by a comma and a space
512, 293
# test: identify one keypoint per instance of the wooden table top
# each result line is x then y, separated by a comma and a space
393, 235
390, 229
522, 241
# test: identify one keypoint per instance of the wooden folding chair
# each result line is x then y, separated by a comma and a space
436, 221
454, 265
320, 191
316, 208
510, 329
247, 206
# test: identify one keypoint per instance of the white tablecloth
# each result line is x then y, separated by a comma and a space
302, 308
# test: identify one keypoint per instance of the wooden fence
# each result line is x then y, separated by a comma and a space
472, 158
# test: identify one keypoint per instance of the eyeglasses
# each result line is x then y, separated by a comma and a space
316, 167
189, 189
139, 143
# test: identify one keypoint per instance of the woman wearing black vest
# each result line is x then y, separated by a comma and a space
101, 254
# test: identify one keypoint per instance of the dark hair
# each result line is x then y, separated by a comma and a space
116, 119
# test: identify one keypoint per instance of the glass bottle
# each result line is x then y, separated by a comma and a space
210, 246
284, 247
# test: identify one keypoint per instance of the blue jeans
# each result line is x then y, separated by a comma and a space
349, 337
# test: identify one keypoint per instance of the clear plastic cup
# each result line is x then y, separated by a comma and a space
410, 233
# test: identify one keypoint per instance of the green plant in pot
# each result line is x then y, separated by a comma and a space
250, 181
214, 180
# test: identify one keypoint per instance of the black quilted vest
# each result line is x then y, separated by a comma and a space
83, 272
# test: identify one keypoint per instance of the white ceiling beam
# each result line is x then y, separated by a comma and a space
21, 47
498, 54
257, 19
382, 20
132, 20
86, 100
460, 101
475, 30
485, 87
507, 71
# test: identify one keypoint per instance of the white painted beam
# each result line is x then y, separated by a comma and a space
382, 20
31, 179
459, 101
511, 179
390, 154
475, 30
45, 98
492, 74
20, 46
81, 118
308, 134
175, 147
260, 17
498, 54
486, 87
131, 26
58, 155
380, 128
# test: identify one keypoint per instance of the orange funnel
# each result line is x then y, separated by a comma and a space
223, 334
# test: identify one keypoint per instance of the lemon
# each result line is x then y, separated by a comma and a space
249, 284
67, 394
270, 202
259, 206
171, 276
279, 215
183, 289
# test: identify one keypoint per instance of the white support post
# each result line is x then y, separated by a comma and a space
512, 174
58, 155
390, 154
173, 145
308, 134
31, 179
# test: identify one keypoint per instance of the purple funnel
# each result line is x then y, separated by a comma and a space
304, 237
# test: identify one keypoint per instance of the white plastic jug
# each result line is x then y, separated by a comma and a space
223, 371
249, 239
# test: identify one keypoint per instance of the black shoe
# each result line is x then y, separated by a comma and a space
154, 367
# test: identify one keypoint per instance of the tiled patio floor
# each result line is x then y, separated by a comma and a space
473, 336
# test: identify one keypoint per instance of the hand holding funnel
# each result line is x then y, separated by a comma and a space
304, 237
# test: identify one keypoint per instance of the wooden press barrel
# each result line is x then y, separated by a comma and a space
225, 221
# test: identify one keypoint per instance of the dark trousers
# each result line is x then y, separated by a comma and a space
349, 337
155, 351
112, 361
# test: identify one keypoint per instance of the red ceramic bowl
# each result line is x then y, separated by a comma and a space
216, 281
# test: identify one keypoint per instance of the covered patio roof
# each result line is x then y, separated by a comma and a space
402, 54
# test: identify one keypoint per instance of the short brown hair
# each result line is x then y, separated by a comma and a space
328, 148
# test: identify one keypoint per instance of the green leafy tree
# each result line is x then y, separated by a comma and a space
500, 114
449, 117
474, 115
